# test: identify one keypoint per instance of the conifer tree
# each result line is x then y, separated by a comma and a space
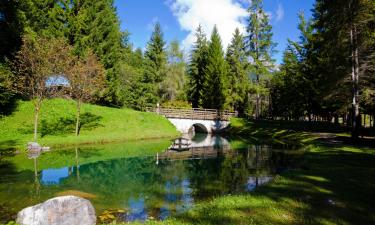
237, 75
214, 87
155, 65
259, 47
196, 68
95, 25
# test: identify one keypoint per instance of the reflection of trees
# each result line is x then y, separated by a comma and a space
36, 180
165, 188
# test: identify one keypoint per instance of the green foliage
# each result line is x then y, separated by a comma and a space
196, 68
172, 87
319, 79
176, 104
259, 48
6, 93
292, 87
215, 84
155, 61
95, 25
238, 82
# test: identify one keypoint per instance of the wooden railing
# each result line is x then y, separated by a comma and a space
194, 114
195, 153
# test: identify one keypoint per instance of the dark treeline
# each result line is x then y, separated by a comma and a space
328, 74
325, 75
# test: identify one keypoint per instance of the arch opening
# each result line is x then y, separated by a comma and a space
198, 128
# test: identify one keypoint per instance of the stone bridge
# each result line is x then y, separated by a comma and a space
197, 120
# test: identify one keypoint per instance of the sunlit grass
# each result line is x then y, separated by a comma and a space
103, 125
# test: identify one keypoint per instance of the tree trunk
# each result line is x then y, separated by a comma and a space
78, 117
36, 119
257, 110
355, 73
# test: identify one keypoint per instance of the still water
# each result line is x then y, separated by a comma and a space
141, 180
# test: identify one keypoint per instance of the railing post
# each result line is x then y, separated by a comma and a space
158, 108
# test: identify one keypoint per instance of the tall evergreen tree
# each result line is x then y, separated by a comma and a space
155, 65
259, 47
196, 68
292, 89
95, 25
214, 87
238, 82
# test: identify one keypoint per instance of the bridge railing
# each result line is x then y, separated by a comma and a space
194, 113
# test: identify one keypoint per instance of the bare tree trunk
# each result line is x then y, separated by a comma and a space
355, 73
257, 106
78, 116
38, 103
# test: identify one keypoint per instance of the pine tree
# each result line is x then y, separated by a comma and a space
214, 87
196, 68
259, 47
155, 65
95, 25
237, 74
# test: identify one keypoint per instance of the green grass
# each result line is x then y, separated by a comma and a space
333, 184
266, 132
100, 125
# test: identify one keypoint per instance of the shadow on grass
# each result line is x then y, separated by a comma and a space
274, 133
66, 125
8, 108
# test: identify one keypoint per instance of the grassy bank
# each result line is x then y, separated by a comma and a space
99, 125
334, 184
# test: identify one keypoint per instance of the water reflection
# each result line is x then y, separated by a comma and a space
137, 188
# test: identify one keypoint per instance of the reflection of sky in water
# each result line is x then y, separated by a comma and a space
187, 199
54, 176
252, 182
137, 210
182, 202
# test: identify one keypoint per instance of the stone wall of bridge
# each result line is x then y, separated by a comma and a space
210, 126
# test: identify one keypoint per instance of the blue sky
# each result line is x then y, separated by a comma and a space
179, 18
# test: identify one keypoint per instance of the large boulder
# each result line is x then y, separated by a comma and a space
65, 210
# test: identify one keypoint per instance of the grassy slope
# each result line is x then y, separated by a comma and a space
107, 125
334, 185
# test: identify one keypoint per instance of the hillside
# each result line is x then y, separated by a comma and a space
99, 125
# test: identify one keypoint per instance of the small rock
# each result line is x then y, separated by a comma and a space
66, 210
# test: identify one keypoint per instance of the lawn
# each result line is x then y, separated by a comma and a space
99, 125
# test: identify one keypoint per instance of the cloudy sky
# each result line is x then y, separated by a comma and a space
180, 18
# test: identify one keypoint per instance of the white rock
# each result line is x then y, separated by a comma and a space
66, 210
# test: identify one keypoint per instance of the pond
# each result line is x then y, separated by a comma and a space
140, 180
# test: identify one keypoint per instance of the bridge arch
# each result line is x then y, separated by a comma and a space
199, 128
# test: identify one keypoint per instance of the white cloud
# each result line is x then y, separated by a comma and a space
226, 14
280, 12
